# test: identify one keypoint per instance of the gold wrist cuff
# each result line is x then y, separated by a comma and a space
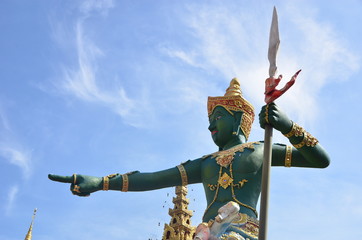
105, 183
125, 182
309, 140
183, 174
74, 178
267, 114
296, 131
288, 156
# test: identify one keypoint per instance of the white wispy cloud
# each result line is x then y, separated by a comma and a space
235, 43
82, 80
11, 198
3, 120
99, 6
18, 157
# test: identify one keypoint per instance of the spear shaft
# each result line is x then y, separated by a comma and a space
268, 135
264, 201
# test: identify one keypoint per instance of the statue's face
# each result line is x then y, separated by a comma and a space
221, 126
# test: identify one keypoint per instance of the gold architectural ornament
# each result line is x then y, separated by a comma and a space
180, 227
233, 101
296, 131
288, 156
183, 174
30, 231
125, 182
225, 157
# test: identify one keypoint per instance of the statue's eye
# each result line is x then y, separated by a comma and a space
218, 117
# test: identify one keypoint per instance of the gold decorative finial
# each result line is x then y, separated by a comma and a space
29, 234
234, 88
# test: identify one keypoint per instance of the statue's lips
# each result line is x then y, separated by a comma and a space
213, 132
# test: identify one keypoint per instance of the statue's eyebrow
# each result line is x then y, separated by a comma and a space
214, 113
218, 112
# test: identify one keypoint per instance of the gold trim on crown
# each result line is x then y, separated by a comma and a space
233, 101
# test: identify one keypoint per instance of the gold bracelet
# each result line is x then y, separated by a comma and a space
308, 140
297, 131
105, 183
300, 145
125, 182
288, 156
74, 178
183, 174
267, 114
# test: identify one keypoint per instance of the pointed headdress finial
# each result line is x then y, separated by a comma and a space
234, 88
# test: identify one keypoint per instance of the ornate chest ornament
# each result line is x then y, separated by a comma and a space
224, 158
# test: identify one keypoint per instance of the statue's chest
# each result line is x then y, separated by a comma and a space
244, 160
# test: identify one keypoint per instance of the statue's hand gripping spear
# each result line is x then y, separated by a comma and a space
271, 94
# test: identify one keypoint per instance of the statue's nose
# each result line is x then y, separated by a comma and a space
211, 126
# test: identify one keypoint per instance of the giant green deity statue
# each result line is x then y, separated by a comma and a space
232, 174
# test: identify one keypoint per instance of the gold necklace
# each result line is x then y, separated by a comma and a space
225, 157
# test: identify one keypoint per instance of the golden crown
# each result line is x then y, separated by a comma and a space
233, 101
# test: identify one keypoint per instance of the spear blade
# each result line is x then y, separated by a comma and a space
274, 42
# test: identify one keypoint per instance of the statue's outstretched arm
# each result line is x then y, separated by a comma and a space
306, 150
183, 174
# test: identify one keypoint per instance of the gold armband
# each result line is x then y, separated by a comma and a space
105, 183
183, 174
308, 140
288, 156
125, 182
296, 131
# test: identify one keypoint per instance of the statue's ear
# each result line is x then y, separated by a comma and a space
237, 122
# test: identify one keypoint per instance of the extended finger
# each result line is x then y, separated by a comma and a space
63, 179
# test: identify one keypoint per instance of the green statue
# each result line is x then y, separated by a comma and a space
232, 174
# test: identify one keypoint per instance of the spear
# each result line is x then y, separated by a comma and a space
271, 93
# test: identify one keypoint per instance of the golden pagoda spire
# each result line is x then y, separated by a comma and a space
29, 234
180, 225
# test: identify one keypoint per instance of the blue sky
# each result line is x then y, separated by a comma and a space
100, 87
